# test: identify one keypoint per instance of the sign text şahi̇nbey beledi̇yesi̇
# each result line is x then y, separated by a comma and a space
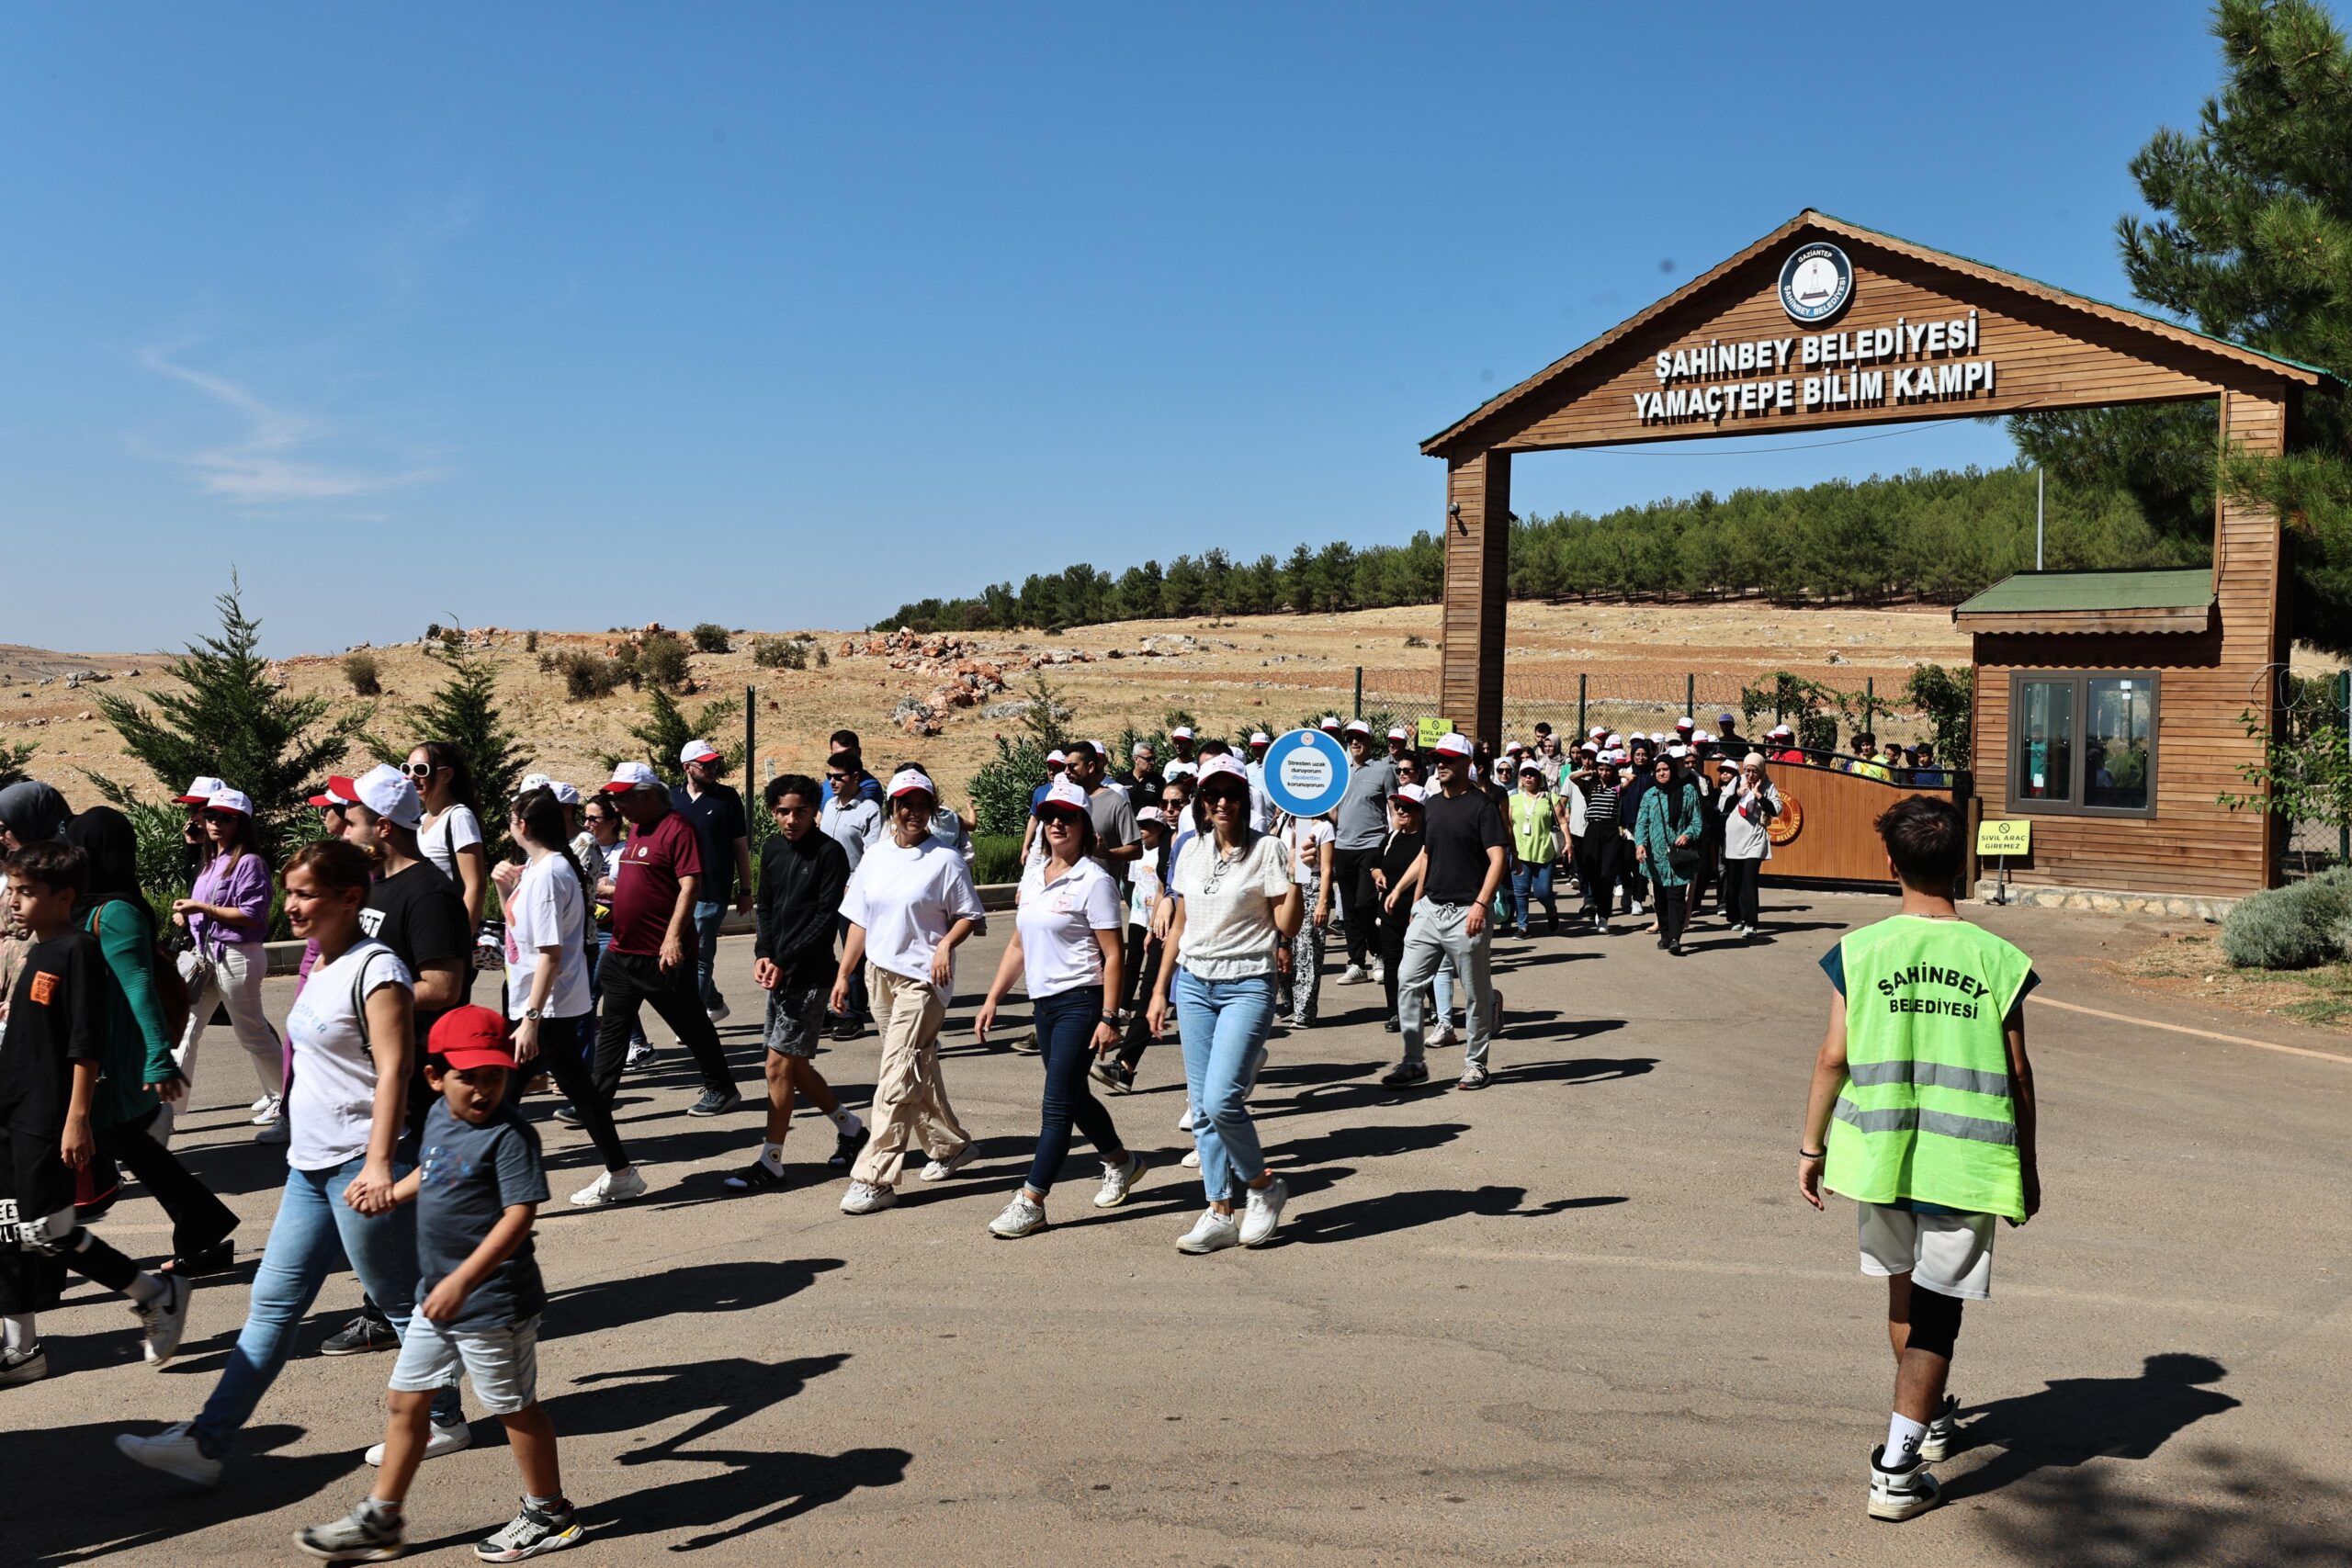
1830, 387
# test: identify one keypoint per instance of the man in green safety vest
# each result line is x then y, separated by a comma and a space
1925, 1097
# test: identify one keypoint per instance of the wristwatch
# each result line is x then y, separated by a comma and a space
534, 1014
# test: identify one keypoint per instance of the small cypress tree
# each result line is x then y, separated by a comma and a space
234, 723
665, 731
15, 762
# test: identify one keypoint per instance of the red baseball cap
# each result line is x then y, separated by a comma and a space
471, 1037
340, 791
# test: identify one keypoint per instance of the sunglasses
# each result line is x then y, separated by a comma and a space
219, 816
1225, 797
1064, 817
838, 778
421, 770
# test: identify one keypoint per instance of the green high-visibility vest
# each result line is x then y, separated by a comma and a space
1926, 1112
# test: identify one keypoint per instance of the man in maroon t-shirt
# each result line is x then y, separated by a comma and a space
652, 955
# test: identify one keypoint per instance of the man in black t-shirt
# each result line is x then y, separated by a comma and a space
1464, 852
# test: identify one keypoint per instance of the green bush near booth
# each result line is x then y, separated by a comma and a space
996, 857
2300, 926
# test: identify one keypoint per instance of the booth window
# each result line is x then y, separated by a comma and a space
2083, 744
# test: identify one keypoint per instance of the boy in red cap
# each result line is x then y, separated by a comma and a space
476, 1186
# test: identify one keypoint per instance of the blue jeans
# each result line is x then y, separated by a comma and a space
596, 986
1223, 1024
706, 918
1066, 1023
315, 1231
1528, 882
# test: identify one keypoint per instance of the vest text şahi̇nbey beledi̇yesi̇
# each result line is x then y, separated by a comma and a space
1831, 388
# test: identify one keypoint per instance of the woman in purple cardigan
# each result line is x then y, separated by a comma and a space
226, 916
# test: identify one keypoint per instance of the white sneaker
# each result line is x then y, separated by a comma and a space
269, 1107
277, 1132
1633, 907
612, 1187
1447, 1035
263, 1103
1184, 1122
641, 1056
1118, 1180
1020, 1216
1212, 1233
1379, 972
940, 1170
720, 1013
162, 1320
1192, 1160
1898, 1494
438, 1440
1936, 1446
1352, 975
864, 1198
1262, 1211
174, 1451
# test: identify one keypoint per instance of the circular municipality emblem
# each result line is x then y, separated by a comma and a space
1788, 822
1306, 771
1817, 282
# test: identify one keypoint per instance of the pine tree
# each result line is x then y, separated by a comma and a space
2252, 242
233, 722
15, 762
665, 731
464, 711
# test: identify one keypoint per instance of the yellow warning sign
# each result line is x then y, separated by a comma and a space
2004, 835
1431, 731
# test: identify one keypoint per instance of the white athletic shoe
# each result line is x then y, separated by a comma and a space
1020, 1216
1447, 1035
1262, 1211
864, 1198
1211, 1232
1634, 907
438, 1440
612, 1187
1118, 1180
172, 1451
1353, 975
720, 1013
1899, 1494
263, 1103
162, 1320
1192, 1160
1936, 1446
269, 1107
940, 1170
1184, 1122
1379, 972
641, 1056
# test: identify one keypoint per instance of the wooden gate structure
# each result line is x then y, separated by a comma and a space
2112, 720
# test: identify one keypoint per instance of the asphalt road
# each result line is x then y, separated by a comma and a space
1579, 1317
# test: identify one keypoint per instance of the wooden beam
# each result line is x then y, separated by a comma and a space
2250, 584
1478, 584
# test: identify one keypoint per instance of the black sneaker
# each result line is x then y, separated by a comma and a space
846, 1029
1406, 1073
1114, 1075
757, 1177
529, 1533
1390, 1026
218, 1258
362, 1334
847, 1146
714, 1102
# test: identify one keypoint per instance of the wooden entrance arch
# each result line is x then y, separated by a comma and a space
1908, 333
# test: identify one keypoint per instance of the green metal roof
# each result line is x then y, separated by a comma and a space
2036, 593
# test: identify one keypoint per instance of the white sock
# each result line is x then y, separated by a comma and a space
772, 1155
843, 1118
1903, 1436
18, 1331
144, 1289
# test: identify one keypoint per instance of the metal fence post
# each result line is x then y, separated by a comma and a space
1580, 714
1869, 704
1690, 695
2343, 711
1359, 713
751, 732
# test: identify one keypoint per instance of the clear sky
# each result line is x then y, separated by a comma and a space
779, 316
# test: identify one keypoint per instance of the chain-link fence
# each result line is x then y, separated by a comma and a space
1630, 701
2318, 714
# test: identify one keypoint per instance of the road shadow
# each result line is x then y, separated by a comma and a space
72, 1499
1384, 1216
741, 1286
755, 1490
731, 1389
2075, 1420
1578, 1070
1363, 1143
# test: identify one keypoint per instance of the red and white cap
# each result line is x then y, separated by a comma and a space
1329, 721
1396, 732
1182, 732
340, 791
391, 793
698, 751
1410, 795
1260, 738
1598, 733
1061, 792
1780, 732
1686, 724
912, 780
1511, 747
1221, 766
1057, 758
203, 789
1451, 744
1151, 816
1358, 726
632, 775
234, 800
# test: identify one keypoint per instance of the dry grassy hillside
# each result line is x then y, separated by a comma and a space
1230, 675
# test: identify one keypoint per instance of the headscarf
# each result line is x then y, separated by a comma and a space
34, 811
105, 835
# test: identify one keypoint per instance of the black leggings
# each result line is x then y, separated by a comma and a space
1740, 877
1138, 1038
569, 1046
1672, 909
1597, 858
199, 1219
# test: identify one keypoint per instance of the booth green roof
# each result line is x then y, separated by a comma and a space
2037, 593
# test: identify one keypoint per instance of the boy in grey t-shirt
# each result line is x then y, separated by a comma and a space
477, 1190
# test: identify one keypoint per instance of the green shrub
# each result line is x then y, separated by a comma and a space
996, 857
366, 677
1000, 789
663, 659
530, 642
587, 675
712, 638
2296, 927
779, 653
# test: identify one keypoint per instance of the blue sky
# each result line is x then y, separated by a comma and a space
780, 316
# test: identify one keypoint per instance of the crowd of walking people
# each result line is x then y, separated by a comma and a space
1174, 898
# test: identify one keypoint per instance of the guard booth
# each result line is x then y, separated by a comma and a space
2107, 706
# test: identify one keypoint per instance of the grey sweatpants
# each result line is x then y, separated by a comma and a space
1436, 934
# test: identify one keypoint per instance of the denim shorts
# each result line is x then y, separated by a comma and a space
795, 1020
501, 1363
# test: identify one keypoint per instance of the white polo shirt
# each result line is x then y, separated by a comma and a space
906, 899
1057, 920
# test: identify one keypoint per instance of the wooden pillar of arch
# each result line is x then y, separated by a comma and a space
1477, 582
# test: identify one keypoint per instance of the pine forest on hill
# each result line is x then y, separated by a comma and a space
1936, 536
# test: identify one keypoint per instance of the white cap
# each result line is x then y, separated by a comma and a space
1061, 792
1358, 726
1182, 732
1686, 722
1511, 746
1678, 750
906, 781
534, 781
1531, 768
629, 777
564, 794
1220, 765
1598, 733
234, 800
1328, 721
203, 789
1153, 815
1452, 744
1396, 732
698, 751
1779, 732
1260, 738
387, 791
1637, 736
1411, 794
1057, 755
1614, 738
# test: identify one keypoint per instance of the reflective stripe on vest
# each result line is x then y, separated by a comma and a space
1910, 1118
1967, 1079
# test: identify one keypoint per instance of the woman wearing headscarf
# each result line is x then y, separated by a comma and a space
138, 1073
1748, 804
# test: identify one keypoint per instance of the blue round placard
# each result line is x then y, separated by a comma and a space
1306, 771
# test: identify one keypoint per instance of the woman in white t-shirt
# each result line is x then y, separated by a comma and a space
1067, 949
1235, 900
351, 1031
450, 835
547, 984
1309, 840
